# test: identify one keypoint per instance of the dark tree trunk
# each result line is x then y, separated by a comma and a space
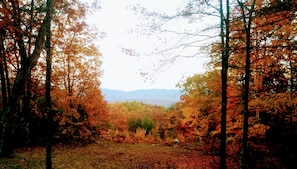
247, 29
224, 75
48, 88
2, 74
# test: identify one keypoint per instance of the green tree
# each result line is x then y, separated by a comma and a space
145, 123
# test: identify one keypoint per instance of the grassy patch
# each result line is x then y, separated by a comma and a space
109, 155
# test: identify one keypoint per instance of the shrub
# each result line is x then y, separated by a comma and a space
134, 124
146, 123
140, 135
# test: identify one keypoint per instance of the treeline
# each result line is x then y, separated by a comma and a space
138, 122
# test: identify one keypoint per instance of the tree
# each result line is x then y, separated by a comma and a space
76, 63
118, 116
247, 15
2, 72
199, 106
224, 26
48, 101
24, 31
263, 68
196, 9
28, 61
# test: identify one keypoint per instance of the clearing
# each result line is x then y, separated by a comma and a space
110, 155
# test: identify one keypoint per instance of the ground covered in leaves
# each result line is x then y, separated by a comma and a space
111, 155
107, 155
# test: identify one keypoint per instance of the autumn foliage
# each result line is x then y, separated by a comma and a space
272, 110
78, 105
81, 115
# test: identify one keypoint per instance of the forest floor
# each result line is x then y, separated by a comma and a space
110, 155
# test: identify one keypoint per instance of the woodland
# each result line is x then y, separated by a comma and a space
240, 113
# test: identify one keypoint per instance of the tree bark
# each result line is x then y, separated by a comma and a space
48, 88
247, 29
224, 75
2, 73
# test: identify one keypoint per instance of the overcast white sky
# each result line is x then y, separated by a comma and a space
122, 71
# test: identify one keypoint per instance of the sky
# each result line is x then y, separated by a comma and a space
147, 67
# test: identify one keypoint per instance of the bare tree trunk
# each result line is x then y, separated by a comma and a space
48, 87
224, 75
2, 74
247, 29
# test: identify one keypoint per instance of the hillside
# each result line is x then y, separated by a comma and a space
162, 97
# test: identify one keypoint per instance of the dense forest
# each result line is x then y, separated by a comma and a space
50, 86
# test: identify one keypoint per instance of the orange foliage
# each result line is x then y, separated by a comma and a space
77, 99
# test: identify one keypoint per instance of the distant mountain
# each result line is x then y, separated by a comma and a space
162, 97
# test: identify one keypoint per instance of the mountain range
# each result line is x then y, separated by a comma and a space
161, 97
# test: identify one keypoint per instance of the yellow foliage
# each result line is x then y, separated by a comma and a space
140, 135
128, 139
258, 130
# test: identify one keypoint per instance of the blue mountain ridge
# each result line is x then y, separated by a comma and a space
161, 97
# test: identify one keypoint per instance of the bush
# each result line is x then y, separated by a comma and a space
146, 123
140, 135
134, 124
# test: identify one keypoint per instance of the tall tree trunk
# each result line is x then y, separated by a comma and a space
2, 74
247, 29
48, 88
9, 116
224, 24
27, 91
